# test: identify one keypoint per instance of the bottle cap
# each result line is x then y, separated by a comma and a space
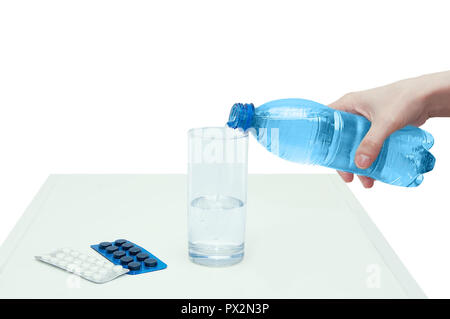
241, 116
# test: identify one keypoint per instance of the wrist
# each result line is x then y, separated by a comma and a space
435, 94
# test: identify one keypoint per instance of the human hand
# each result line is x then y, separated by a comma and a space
388, 108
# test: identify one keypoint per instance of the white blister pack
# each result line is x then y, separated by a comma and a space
91, 268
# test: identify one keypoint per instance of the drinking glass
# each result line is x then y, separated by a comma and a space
217, 195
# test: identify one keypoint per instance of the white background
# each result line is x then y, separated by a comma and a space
113, 86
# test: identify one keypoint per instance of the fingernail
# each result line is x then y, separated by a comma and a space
368, 185
362, 161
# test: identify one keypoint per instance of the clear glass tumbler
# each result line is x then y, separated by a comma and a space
217, 195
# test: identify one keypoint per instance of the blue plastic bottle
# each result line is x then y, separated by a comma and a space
311, 133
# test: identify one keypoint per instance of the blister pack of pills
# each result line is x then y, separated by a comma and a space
130, 256
91, 268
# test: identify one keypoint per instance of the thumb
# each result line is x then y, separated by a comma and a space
371, 145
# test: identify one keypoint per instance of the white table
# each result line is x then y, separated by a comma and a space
307, 237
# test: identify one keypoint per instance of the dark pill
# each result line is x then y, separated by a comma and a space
119, 254
134, 251
104, 245
134, 265
127, 246
150, 262
111, 249
142, 256
120, 242
125, 260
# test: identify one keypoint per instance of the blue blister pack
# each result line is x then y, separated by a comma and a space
130, 256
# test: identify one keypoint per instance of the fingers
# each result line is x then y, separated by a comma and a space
346, 176
383, 125
367, 182
345, 103
370, 146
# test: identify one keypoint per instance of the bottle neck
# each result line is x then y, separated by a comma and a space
241, 116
